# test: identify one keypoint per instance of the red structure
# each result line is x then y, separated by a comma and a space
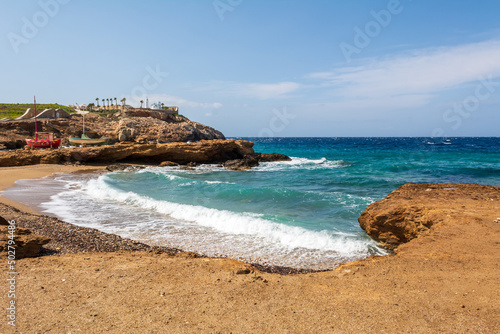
42, 139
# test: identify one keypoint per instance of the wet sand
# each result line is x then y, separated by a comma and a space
445, 282
9, 176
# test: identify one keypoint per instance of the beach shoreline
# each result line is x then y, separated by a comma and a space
63, 233
9, 176
445, 281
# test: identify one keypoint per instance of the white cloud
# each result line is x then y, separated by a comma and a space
418, 73
262, 91
266, 91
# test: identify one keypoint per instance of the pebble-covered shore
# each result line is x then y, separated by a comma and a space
68, 238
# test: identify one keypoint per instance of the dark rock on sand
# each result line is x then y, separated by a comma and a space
243, 272
3, 221
26, 244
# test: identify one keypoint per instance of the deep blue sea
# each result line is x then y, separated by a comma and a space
302, 213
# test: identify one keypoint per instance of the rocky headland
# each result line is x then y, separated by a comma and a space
235, 154
141, 136
416, 210
145, 127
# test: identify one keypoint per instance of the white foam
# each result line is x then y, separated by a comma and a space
218, 182
249, 237
302, 163
233, 223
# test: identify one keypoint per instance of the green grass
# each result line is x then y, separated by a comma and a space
11, 110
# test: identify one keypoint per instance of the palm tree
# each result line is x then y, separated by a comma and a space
162, 104
142, 101
97, 99
116, 103
123, 102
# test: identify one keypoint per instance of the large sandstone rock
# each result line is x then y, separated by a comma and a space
26, 244
206, 151
414, 210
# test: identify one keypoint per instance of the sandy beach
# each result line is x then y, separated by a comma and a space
9, 175
90, 282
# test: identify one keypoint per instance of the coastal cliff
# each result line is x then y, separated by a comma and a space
142, 136
140, 128
415, 210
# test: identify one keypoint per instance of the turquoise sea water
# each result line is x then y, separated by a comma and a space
301, 213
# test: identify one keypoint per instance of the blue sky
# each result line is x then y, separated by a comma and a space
266, 68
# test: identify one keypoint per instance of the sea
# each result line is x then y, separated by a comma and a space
301, 213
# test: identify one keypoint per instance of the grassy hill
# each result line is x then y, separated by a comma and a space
13, 110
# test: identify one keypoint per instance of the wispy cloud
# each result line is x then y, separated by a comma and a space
403, 80
261, 91
266, 91
421, 73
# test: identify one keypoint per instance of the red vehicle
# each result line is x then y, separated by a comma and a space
42, 139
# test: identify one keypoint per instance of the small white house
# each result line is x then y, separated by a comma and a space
156, 106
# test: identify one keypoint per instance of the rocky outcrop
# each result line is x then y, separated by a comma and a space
168, 164
206, 151
168, 128
163, 115
247, 162
269, 157
122, 167
253, 159
26, 244
414, 210
142, 129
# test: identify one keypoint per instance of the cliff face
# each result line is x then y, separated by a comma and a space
414, 210
207, 151
143, 129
